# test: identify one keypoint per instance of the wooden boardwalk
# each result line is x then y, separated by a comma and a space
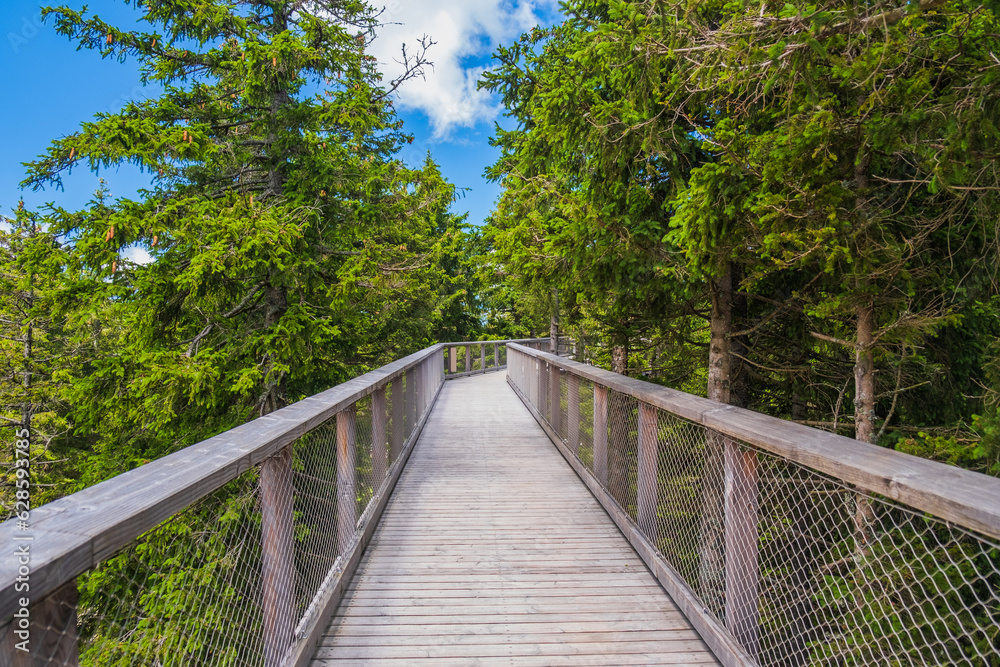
492, 552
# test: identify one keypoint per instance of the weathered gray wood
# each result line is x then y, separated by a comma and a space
489, 528
409, 398
601, 434
380, 436
78, 532
555, 398
398, 434
453, 359
969, 499
414, 404
347, 497
742, 573
719, 640
47, 636
277, 556
496, 354
542, 373
328, 599
573, 411
648, 472
468, 358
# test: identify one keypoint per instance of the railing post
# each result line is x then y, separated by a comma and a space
601, 434
742, 573
573, 412
453, 359
347, 496
408, 404
396, 437
49, 632
555, 409
482, 357
413, 379
496, 355
647, 471
468, 358
543, 389
380, 439
277, 557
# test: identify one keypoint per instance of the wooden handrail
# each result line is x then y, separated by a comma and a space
968, 499
76, 533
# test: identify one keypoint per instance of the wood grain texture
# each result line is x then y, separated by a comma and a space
492, 551
967, 498
721, 642
347, 475
76, 533
278, 555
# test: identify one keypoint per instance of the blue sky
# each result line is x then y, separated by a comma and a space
49, 88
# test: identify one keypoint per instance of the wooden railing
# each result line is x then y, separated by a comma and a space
783, 544
234, 550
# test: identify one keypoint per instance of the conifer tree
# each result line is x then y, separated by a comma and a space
289, 248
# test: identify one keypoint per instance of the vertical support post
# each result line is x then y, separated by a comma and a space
555, 407
573, 412
277, 556
647, 471
50, 633
397, 436
380, 438
347, 496
415, 402
423, 390
482, 356
543, 389
468, 358
453, 359
742, 573
601, 434
408, 404
496, 355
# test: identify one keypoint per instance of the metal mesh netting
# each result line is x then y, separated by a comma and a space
800, 567
238, 576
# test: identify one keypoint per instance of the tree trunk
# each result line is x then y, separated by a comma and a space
554, 324
864, 420
800, 629
275, 395
712, 573
864, 382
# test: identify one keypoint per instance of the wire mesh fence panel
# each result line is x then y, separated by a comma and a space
622, 451
502, 353
241, 574
316, 512
185, 593
800, 567
855, 578
367, 481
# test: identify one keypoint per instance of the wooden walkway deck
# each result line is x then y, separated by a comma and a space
492, 552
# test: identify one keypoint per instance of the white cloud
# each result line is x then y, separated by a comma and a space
137, 254
463, 30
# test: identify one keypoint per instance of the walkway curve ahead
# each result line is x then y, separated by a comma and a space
492, 552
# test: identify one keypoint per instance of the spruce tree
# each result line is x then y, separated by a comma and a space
290, 249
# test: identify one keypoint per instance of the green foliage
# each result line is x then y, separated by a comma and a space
289, 249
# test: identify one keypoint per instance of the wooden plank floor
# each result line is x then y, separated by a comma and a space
492, 552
